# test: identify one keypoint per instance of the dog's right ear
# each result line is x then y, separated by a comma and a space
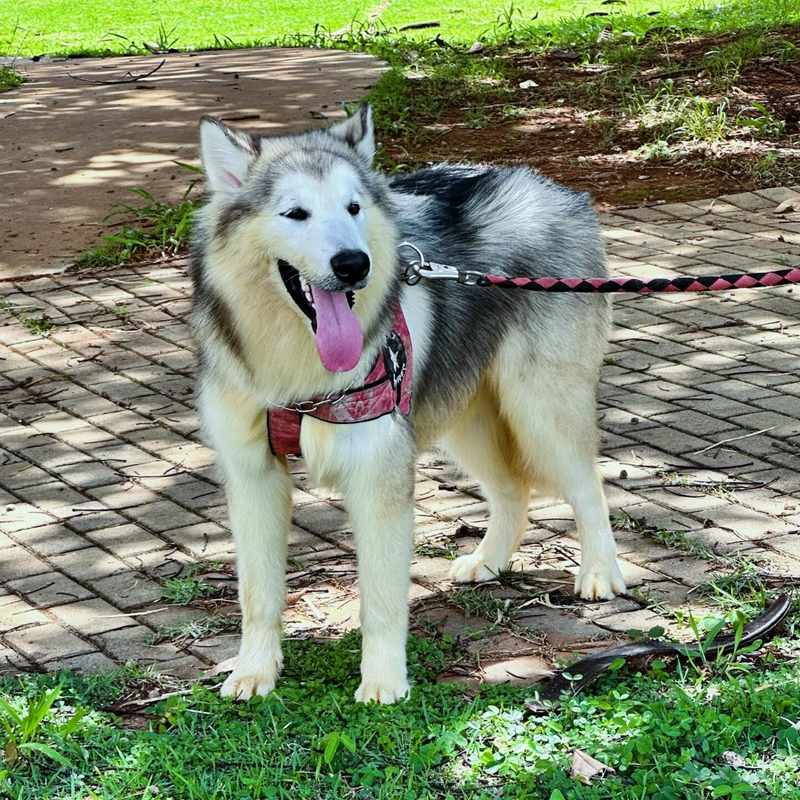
227, 155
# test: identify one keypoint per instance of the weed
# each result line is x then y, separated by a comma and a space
766, 125
772, 168
477, 602
39, 326
164, 231
187, 588
623, 521
28, 732
658, 150
165, 41
9, 79
190, 630
448, 550
677, 540
122, 311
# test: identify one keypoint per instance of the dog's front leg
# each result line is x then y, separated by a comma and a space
259, 493
379, 493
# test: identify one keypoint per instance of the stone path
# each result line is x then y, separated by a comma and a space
108, 494
73, 139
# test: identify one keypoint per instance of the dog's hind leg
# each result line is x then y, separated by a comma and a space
552, 412
479, 442
259, 493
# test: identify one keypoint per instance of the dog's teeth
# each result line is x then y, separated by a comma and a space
303, 284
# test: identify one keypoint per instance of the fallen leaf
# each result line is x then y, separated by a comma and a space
528, 85
565, 55
732, 759
787, 206
606, 34
224, 666
293, 597
477, 47
10, 754
584, 767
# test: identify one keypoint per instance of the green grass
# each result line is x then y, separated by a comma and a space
108, 26
663, 731
9, 79
188, 587
160, 229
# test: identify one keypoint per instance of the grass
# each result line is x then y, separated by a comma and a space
188, 587
112, 26
9, 79
160, 230
664, 731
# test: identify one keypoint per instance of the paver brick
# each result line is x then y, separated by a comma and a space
47, 642
91, 616
106, 439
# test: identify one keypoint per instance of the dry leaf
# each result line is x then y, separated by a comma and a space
606, 34
477, 47
223, 666
787, 206
528, 85
293, 597
732, 759
584, 767
11, 754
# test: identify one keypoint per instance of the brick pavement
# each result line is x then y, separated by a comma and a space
107, 493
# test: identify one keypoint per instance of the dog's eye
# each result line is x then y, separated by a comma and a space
296, 213
353, 208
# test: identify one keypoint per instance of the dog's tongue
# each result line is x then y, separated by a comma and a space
339, 336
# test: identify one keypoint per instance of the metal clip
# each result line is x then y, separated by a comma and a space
419, 269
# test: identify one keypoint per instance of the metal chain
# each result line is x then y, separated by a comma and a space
307, 406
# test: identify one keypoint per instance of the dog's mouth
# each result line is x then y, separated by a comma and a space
337, 331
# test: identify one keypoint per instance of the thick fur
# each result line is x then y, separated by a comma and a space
504, 381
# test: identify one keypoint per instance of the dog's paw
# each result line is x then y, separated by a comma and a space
383, 691
242, 686
473, 569
600, 583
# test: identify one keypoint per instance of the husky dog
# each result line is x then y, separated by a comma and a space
297, 279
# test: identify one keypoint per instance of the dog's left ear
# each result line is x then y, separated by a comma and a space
357, 132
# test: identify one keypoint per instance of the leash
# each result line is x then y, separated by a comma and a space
420, 268
583, 672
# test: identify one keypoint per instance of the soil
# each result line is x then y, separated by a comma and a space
601, 157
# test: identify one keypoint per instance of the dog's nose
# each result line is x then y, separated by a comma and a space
350, 266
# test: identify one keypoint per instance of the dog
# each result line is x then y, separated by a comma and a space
298, 292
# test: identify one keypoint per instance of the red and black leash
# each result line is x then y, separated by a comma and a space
420, 268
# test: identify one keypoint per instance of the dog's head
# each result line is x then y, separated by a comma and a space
312, 208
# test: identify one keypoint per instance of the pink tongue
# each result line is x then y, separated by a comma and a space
339, 336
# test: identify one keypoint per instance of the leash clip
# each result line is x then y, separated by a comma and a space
419, 268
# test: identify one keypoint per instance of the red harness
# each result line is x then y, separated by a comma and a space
388, 386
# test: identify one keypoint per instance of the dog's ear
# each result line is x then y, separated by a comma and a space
227, 155
357, 132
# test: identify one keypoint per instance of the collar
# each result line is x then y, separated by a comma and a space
387, 387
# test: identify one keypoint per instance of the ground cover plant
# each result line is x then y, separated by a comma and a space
669, 732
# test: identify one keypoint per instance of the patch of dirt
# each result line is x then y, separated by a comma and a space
576, 130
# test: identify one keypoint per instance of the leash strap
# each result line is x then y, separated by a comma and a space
683, 283
419, 268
